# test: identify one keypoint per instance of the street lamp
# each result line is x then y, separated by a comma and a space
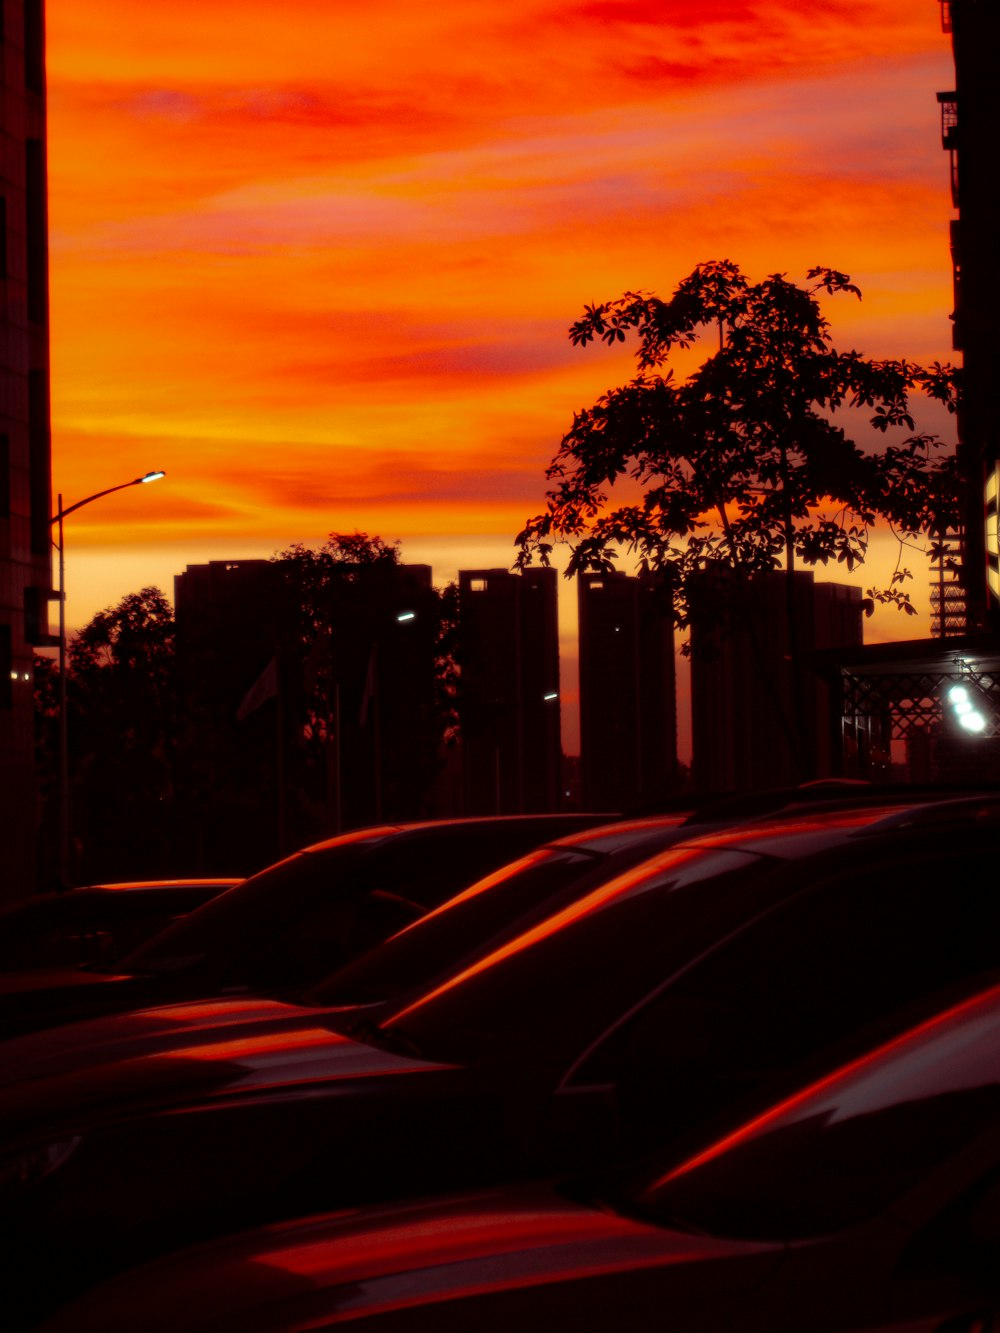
63, 769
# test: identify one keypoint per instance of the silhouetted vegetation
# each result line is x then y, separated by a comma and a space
171, 772
121, 702
740, 465
375, 643
740, 462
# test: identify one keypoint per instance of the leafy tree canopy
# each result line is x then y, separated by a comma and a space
740, 462
121, 670
327, 581
135, 633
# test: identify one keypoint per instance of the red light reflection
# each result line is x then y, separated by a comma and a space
816, 1090
616, 888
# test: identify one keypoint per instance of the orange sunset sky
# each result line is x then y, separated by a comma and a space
317, 261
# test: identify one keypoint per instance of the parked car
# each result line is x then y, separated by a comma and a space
294, 921
695, 985
95, 923
867, 1200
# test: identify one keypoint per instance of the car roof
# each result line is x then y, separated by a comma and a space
805, 830
543, 822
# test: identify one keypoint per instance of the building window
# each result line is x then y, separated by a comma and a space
477, 585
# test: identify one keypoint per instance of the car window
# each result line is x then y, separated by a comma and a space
368, 942
567, 977
848, 1147
420, 951
244, 918
842, 955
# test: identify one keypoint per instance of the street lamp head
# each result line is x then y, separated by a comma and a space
150, 476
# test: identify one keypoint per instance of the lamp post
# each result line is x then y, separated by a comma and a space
63, 763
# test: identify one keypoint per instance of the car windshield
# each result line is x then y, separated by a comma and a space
567, 976
245, 917
508, 900
419, 952
848, 1146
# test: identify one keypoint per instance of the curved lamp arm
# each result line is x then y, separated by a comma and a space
137, 481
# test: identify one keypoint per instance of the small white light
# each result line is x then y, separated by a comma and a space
553, 694
958, 694
405, 616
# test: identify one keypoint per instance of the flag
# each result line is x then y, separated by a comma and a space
264, 687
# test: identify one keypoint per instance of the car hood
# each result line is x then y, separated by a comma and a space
404, 1256
158, 1058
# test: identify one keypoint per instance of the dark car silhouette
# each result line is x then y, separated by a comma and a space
690, 987
295, 921
868, 1200
97, 922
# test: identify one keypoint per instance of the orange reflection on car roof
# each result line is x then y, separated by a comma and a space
787, 825
483, 885
616, 888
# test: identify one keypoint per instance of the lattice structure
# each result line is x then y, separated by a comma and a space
949, 609
903, 693
904, 703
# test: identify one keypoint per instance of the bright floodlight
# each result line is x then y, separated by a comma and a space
972, 721
958, 694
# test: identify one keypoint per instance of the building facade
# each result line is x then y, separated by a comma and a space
25, 487
305, 707
759, 716
970, 131
509, 691
628, 715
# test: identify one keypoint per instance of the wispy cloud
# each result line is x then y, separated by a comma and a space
324, 268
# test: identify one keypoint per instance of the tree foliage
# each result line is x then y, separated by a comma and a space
380, 687
741, 462
122, 698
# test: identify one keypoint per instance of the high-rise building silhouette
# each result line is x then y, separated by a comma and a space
297, 726
229, 621
628, 719
759, 717
509, 690
25, 489
970, 131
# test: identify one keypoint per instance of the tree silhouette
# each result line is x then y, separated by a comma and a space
121, 695
373, 641
740, 465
